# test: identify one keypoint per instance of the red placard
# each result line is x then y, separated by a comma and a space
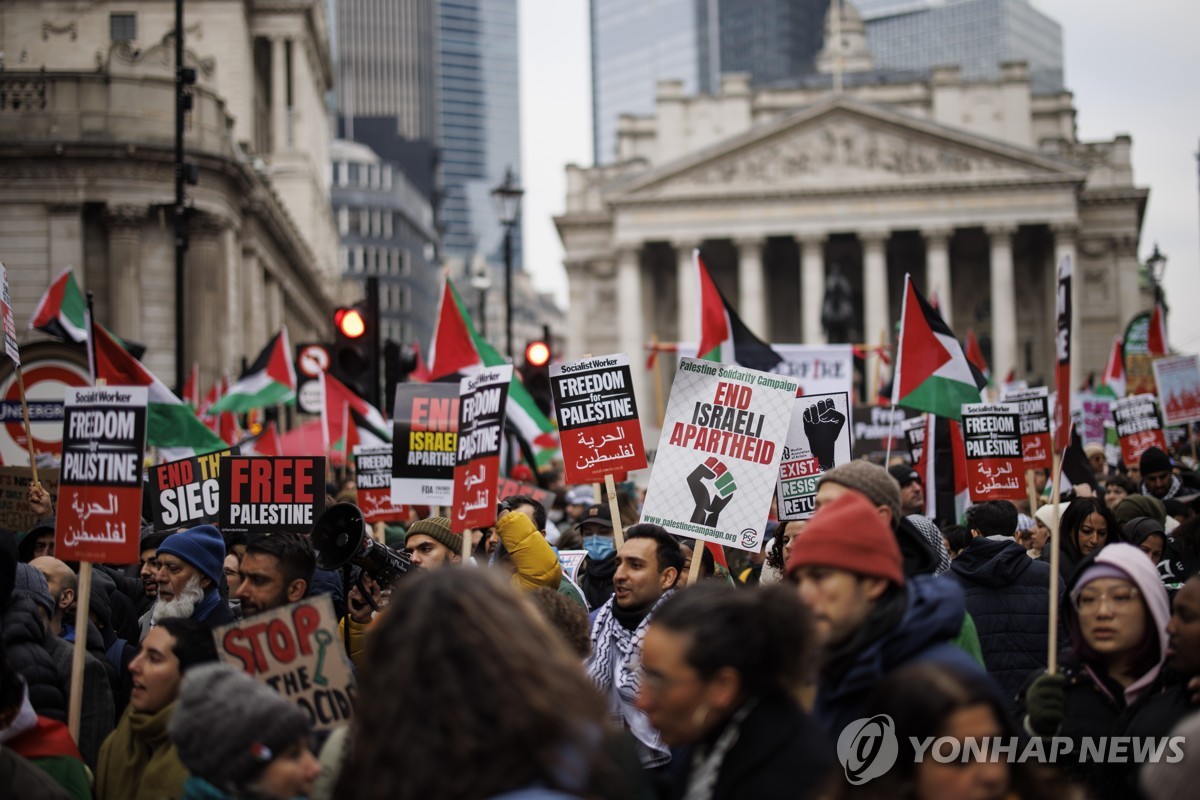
481, 407
992, 441
1139, 427
507, 487
597, 418
1035, 425
373, 479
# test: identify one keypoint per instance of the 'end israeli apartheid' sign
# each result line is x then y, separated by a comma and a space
269, 494
295, 650
597, 418
424, 442
186, 492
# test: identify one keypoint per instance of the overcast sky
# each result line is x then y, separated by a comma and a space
1129, 64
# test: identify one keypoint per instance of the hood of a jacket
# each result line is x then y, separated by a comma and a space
991, 563
919, 556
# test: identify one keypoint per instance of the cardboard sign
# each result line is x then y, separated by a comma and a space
15, 514
1139, 426
297, 652
874, 426
269, 494
482, 398
818, 440
9, 321
914, 437
100, 486
1178, 381
507, 487
1034, 405
373, 479
995, 459
1095, 412
424, 443
718, 461
571, 561
186, 492
597, 418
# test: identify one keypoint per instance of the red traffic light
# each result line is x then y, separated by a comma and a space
350, 322
537, 354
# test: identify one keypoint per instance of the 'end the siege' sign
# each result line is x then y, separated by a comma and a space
267, 494
186, 492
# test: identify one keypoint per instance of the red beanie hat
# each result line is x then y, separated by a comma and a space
849, 534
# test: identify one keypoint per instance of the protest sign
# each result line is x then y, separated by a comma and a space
295, 650
1178, 381
507, 487
1095, 411
100, 486
186, 492
816, 368
818, 440
992, 440
914, 436
1034, 405
15, 514
482, 398
597, 418
8, 319
424, 441
271, 494
1139, 426
717, 461
373, 479
570, 560
1062, 353
875, 426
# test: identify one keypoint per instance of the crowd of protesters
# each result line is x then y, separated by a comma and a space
491, 670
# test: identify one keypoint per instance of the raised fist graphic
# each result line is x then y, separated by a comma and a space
823, 424
710, 502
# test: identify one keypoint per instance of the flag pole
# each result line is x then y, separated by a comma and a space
1055, 536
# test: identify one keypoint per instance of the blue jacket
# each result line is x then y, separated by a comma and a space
931, 616
1007, 594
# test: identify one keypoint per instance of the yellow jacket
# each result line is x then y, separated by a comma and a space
535, 562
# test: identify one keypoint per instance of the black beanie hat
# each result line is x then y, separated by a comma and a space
1154, 460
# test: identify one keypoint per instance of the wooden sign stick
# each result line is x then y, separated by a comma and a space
698, 546
1055, 536
75, 705
1031, 488
29, 433
617, 528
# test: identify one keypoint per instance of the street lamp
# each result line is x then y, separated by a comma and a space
481, 281
508, 205
1156, 264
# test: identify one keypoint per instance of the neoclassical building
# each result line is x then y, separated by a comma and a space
87, 175
976, 189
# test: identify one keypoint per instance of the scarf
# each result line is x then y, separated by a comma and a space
706, 767
1176, 485
209, 604
615, 667
26, 719
138, 762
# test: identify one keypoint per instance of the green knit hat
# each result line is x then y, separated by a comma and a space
437, 528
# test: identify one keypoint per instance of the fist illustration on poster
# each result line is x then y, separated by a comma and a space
823, 424
710, 502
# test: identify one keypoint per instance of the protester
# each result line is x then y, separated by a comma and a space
565, 616
721, 670
523, 549
1158, 477
1007, 595
1148, 535
190, 564
1117, 489
431, 544
38, 541
912, 491
870, 618
139, 761
751, 575
1043, 522
576, 504
1097, 461
1117, 618
708, 564
1141, 505
23, 633
956, 537
1086, 527
512, 709
233, 560
648, 567
275, 570
595, 575
262, 752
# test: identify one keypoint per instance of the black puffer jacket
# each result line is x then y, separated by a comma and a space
23, 632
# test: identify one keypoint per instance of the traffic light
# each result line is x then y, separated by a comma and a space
355, 359
535, 373
399, 360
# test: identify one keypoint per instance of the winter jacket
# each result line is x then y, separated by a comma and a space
596, 580
908, 626
22, 779
328, 581
24, 633
536, 563
1007, 594
139, 762
97, 716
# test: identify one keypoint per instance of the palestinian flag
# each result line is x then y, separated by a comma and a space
932, 372
224, 424
349, 419
191, 388
62, 311
944, 460
975, 355
420, 372
724, 338
1112, 382
171, 425
458, 348
271, 380
266, 443
1156, 337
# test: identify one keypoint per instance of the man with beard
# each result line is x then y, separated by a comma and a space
190, 563
148, 567
276, 570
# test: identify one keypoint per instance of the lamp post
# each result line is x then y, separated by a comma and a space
508, 206
481, 281
1157, 266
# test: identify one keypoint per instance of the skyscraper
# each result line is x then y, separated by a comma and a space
772, 40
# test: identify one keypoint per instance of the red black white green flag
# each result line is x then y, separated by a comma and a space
724, 338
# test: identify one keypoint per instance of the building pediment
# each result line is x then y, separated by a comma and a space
842, 145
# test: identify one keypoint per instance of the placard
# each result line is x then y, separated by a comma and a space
818, 440
424, 443
296, 651
1062, 356
186, 492
992, 441
816, 368
481, 409
874, 426
271, 494
8, 320
373, 480
15, 514
1095, 412
1139, 427
507, 487
718, 461
597, 418
100, 485
1178, 381
1034, 405
571, 560
914, 437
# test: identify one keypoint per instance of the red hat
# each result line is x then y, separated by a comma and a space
849, 534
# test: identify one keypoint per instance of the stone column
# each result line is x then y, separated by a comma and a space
577, 319
687, 281
204, 265
254, 323
64, 244
630, 318
1064, 247
123, 224
279, 111
937, 270
812, 287
751, 292
1004, 302
876, 321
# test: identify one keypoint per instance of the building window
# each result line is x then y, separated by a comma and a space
387, 225
343, 220
122, 27
352, 170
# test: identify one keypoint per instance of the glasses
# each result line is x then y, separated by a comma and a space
1120, 600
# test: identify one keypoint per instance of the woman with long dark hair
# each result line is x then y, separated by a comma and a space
1087, 526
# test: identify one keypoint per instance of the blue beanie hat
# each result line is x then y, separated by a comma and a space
201, 546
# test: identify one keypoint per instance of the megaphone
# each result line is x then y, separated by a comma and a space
340, 537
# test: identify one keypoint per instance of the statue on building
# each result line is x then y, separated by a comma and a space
837, 309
